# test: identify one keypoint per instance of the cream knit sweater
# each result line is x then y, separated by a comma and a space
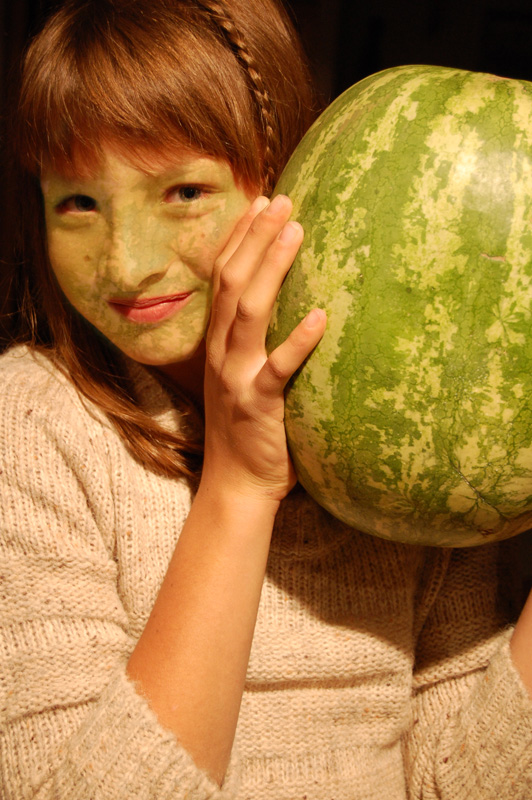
378, 670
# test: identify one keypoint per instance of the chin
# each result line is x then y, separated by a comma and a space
158, 360
167, 360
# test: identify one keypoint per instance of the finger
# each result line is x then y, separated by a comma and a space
249, 244
255, 307
230, 282
240, 230
290, 355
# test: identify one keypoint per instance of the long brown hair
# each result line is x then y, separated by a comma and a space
225, 77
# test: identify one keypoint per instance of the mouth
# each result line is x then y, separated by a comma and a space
149, 309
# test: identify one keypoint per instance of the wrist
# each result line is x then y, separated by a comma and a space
244, 495
229, 478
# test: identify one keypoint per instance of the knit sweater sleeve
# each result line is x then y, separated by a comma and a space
71, 723
471, 733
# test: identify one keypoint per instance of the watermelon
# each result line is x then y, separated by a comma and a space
412, 419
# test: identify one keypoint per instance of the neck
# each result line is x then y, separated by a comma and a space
187, 376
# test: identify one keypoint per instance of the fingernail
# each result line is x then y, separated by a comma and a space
277, 202
289, 232
259, 204
314, 317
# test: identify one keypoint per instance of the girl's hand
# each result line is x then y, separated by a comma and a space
245, 442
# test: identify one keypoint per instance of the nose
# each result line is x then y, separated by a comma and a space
135, 256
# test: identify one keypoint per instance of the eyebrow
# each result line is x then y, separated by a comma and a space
180, 171
167, 171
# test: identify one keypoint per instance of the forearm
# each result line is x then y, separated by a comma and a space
191, 659
521, 645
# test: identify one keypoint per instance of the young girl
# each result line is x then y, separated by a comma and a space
179, 627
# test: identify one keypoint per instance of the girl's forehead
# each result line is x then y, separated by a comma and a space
87, 161
148, 161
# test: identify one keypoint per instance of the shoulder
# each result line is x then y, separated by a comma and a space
28, 376
67, 479
41, 413
54, 461
33, 385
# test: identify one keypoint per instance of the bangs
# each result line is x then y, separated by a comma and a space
147, 85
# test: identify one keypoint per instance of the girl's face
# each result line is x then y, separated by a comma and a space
133, 249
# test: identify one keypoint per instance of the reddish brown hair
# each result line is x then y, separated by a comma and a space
225, 77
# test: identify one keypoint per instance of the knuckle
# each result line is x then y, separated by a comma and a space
228, 382
227, 279
277, 369
257, 224
246, 311
263, 225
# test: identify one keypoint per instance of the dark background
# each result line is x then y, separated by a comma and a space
345, 41
349, 39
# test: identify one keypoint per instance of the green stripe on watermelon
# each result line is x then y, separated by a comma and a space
412, 419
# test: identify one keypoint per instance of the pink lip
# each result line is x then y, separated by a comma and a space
150, 309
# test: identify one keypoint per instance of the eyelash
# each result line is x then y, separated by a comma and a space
198, 192
63, 208
84, 204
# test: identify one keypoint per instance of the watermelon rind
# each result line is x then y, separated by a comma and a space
412, 418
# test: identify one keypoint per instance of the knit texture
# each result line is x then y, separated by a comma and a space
378, 670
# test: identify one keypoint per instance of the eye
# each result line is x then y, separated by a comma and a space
77, 204
184, 194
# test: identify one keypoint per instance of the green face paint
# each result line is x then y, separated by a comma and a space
133, 249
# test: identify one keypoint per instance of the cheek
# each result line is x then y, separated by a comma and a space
73, 268
214, 238
199, 245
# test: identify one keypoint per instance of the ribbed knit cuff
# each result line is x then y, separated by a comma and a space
122, 752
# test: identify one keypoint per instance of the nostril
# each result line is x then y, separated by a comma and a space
150, 280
